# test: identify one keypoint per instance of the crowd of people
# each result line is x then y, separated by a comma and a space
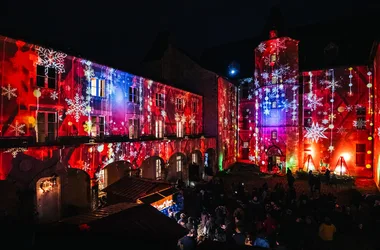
277, 218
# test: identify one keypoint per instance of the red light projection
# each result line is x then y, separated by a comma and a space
52, 99
227, 123
338, 119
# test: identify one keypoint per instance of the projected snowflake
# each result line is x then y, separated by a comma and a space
9, 92
51, 59
18, 129
360, 123
78, 106
315, 132
15, 151
314, 102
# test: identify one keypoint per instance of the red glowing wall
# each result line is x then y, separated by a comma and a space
227, 123
338, 119
48, 96
376, 151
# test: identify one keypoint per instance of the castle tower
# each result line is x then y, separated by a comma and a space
277, 103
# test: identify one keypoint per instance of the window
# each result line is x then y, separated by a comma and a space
179, 163
46, 126
179, 103
194, 158
179, 129
193, 128
158, 169
160, 100
360, 111
194, 106
48, 80
274, 135
159, 129
133, 128
97, 126
98, 87
360, 155
133, 95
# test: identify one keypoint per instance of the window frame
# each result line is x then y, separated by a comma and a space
160, 100
46, 78
99, 87
133, 94
46, 126
159, 128
179, 103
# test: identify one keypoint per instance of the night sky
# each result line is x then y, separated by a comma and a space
125, 30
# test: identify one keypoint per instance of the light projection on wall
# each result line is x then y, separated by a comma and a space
269, 110
50, 98
227, 123
339, 125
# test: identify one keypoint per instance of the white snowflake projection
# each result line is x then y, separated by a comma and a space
54, 95
359, 124
249, 97
133, 154
314, 101
349, 108
280, 44
89, 72
192, 119
332, 85
163, 113
251, 157
78, 106
18, 129
341, 130
8, 91
15, 151
86, 167
51, 59
331, 148
225, 121
315, 132
285, 105
261, 47
257, 83
183, 118
325, 121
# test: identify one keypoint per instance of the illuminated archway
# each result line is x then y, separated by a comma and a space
114, 172
48, 199
195, 166
153, 168
178, 167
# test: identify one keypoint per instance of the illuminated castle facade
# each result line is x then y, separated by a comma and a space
306, 121
68, 117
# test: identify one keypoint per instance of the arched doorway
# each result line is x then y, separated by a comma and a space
114, 172
48, 199
153, 168
195, 166
178, 168
76, 192
210, 167
275, 157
